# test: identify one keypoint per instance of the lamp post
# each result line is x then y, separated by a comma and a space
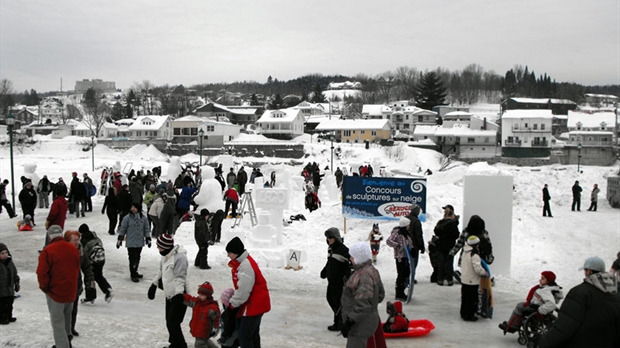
201, 133
92, 148
331, 137
10, 122
579, 158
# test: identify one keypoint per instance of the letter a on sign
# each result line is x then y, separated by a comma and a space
294, 257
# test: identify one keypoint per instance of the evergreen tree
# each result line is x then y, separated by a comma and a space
275, 103
430, 92
118, 112
269, 79
131, 99
254, 100
510, 84
317, 95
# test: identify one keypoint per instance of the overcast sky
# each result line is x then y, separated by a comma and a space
199, 41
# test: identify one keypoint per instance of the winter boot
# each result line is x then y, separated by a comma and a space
400, 293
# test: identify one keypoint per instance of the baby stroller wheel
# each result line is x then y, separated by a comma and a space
522, 339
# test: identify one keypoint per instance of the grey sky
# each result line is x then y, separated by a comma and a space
197, 41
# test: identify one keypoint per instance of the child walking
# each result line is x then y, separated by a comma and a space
375, 237
472, 270
9, 285
205, 321
202, 235
228, 338
542, 298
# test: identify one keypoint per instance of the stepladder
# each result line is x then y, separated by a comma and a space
247, 205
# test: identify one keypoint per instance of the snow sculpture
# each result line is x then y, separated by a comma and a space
487, 192
29, 172
174, 169
274, 200
264, 233
210, 195
329, 188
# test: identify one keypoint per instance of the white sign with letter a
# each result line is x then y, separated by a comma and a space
293, 260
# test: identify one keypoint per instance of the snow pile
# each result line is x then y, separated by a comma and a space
151, 153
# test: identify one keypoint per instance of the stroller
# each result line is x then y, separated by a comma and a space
533, 327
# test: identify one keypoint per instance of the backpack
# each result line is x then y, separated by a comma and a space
97, 255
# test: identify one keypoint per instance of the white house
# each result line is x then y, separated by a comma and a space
376, 111
217, 133
456, 117
467, 143
150, 127
282, 124
108, 130
526, 133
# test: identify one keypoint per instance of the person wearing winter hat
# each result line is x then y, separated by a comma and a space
88, 187
397, 320
542, 298
589, 314
417, 236
93, 249
9, 286
476, 227
205, 321
447, 231
361, 296
336, 270
228, 336
136, 227
57, 274
375, 237
202, 235
172, 275
594, 198
472, 270
400, 240
77, 195
149, 198
28, 200
251, 293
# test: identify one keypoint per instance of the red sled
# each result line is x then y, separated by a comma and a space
417, 328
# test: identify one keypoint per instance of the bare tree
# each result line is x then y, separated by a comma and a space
144, 93
471, 78
96, 111
385, 82
408, 79
6, 101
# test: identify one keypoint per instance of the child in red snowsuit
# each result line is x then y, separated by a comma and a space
375, 239
205, 321
397, 321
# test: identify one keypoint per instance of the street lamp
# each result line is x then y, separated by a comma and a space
579, 158
331, 137
201, 133
92, 148
10, 122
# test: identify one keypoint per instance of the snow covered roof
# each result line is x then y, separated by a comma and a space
513, 114
591, 120
353, 124
463, 131
419, 111
543, 100
606, 96
425, 130
321, 118
591, 133
125, 122
375, 109
190, 118
457, 114
149, 122
279, 116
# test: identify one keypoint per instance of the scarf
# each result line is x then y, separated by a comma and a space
530, 294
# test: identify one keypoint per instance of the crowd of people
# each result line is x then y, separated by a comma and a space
576, 203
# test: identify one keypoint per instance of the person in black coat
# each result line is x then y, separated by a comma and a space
77, 195
202, 236
242, 179
111, 204
416, 235
336, 271
447, 230
124, 201
590, 313
28, 200
546, 199
216, 225
576, 197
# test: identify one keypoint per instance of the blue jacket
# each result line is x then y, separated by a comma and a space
185, 198
136, 228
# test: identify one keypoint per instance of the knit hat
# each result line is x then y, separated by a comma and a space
226, 296
594, 263
416, 209
360, 252
473, 240
165, 241
235, 246
83, 228
550, 276
206, 289
54, 231
152, 187
204, 212
3, 247
398, 306
403, 222
27, 217
137, 206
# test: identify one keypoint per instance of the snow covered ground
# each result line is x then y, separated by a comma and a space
300, 314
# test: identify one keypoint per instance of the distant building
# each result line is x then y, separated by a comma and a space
601, 100
242, 114
526, 133
357, 131
441, 110
98, 85
281, 124
466, 143
344, 85
557, 106
404, 117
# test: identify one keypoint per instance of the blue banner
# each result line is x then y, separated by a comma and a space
380, 198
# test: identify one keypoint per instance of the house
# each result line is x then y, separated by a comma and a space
107, 130
598, 121
526, 133
441, 110
404, 117
187, 129
557, 106
281, 124
376, 111
456, 118
601, 100
591, 138
344, 85
150, 127
243, 114
357, 131
25, 114
466, 143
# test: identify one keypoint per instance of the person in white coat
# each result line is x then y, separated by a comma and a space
172, 278
155, 212
471, 271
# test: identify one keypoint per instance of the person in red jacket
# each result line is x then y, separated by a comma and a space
205, 321
58, 212
57, 273
251, 293
396, 321
232, 199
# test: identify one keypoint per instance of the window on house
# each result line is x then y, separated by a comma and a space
373, 133
542, 126
176, 131
604, 139
185, 131
535, 125
515, 126
486, 140
510, 140
471, 140
210, 128
525, 126
347, 133
194, 131
420, 118
138, 133
589, 138
362, 132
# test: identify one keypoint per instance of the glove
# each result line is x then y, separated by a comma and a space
148, 242
17, 287
346, 327
47, 224
119, 242
102, 212
151, 293
422, 250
